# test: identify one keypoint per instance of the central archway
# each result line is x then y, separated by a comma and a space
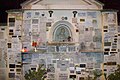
62, 31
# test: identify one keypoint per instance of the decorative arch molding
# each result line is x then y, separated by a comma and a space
56, 29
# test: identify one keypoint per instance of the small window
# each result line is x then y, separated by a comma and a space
72, 76
113, 52
11, 19
19, 66
11, 75
86, 29
78, 72
48, 24
2, 29
11, 69
106, 53
105, 30
9, 45
107, 49
71, 71
54, 61
111, 63
33, 69
115, 39
82, 65
14, 36
11, 22
107, 44
82, 20
18, 70
116, 36
94, 21
105, 27
81, 78
113, 49
11, 65
11, 32
105, 69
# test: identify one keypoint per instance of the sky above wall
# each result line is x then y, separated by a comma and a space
15, 4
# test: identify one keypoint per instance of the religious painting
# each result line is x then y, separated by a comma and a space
62, 32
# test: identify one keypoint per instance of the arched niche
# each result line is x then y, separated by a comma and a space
62, 31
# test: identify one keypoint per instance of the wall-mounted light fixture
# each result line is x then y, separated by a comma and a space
50, 12
74, 12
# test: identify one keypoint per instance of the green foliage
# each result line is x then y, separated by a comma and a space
115, 75
105, 75
36, 75
97, 74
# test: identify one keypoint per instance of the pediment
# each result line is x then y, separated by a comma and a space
61, 4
